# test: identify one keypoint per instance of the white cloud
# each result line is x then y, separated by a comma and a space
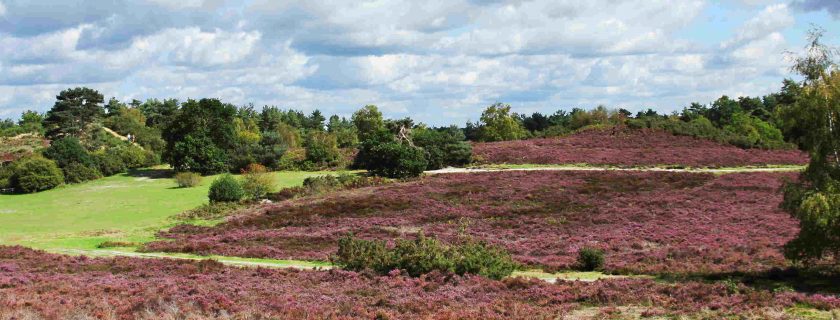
437, 61
772, 19
2, 9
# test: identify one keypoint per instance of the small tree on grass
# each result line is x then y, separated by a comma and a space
258, 181
226, 189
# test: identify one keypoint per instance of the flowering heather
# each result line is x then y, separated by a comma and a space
36, 285
645, 222
629, 147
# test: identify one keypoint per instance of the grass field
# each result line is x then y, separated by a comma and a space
127, 207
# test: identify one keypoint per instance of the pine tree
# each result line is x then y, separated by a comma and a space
74, 110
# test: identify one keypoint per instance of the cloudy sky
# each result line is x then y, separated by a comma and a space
439, 62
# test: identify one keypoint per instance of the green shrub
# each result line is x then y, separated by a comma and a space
6, 173
423, 255
291, 159
481, 259
356, 255
226, 189
68, 150
36, 174
108, 163
258, 182
321, 184
78, 173
133, 156
187, 179
590, 259
396, 160
443, 147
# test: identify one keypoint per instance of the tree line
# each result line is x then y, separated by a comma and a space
93, 138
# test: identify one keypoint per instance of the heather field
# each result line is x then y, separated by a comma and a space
36, 285
646, 222
630, 147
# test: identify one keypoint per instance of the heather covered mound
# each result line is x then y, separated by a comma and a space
646, 222
629, 147
38, 285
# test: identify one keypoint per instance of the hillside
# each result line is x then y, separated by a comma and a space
13, 148
629, 147
647, 222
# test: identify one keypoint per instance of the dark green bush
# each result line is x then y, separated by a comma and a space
108, 163
68, 150
443, 147
423, 255
187, 179
226, 189
6, 173
590, 259
36, 174
396, 160
78, 173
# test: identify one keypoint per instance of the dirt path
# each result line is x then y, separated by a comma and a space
585, 168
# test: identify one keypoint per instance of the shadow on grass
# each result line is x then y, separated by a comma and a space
151, 173
811, 281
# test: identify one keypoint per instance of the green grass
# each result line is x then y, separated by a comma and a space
127, 207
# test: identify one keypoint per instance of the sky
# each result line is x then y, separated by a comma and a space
439, 62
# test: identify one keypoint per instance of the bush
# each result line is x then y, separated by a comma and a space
291, 159
187, 179
258, 182
396, 160
423, 255
328, 183
78, 173
108, 163
36, 174
68, 150
590, 259
443, 147
226, 189
481, 259
132, 156
6, 174
357, 255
